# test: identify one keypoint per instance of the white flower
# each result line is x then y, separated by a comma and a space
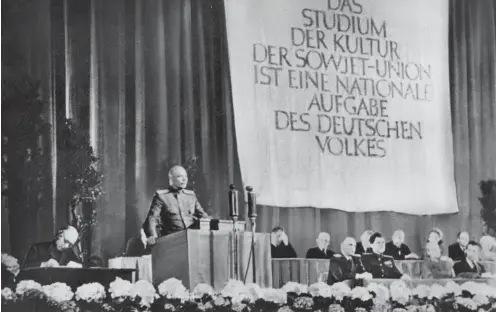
295, 287
7, 294
320, 289
340, 290
473, 287
277, 296
200, 290
173, 289
11, 263
381, 292
467, 302
58, 292
453, 288
400, 292
91, 292
361, 293
237, 291
120, 288
437, 291
255, 291
480, 299
145, 291
421, 291
26, 285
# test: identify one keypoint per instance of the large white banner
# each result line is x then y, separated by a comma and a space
343, 104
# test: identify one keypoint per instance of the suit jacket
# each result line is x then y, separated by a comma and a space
172, 211
359, 249
464, 268
42, 252
436, 269
341, 269
317, 253
380, 266
398, 253
456, 252
136, 248
282, 251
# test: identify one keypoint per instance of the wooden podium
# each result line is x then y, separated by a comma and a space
203, 256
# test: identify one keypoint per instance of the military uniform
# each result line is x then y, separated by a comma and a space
172, 211
341, 269
380, 266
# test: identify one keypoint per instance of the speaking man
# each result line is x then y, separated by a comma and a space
173, 209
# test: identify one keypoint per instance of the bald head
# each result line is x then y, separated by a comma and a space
178, 177
348, 246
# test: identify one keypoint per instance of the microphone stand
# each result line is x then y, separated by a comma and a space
252, 215
234, 213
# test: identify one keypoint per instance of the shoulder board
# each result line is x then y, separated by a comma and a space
386, 256
357, 256
337, 255
188, 192
366, 254
163, 192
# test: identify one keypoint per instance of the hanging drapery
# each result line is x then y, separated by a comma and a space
149, 80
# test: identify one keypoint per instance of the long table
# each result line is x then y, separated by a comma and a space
309, 271
75, 277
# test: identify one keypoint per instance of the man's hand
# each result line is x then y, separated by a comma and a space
412, 256
152, 240
284, 238
52, 263
406, 277
364, 275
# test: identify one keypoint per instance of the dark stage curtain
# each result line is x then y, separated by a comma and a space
149, 80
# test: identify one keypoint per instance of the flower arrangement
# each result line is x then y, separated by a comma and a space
172, 295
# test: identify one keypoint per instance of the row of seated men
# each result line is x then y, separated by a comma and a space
352, 263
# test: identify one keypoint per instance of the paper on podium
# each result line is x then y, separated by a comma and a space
123, 263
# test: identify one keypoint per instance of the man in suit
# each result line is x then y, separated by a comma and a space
138, 246
363, 245
58, 252
397, 249
456, 251
345, 265
470, 266
280, 247
321, 251
378, 264
173, 209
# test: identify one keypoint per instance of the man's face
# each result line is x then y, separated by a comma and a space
398, 238
379, 245
348, 247
473, 253
179, 178
365, 239
463, 239
62, 243
323, 241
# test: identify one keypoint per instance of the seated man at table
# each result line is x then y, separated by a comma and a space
138, 246
456, 251
58, 252
470, 267
321, 251
173, 209
397, 249
344, 266
279, 245
434, 266
378, 264
363, 245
